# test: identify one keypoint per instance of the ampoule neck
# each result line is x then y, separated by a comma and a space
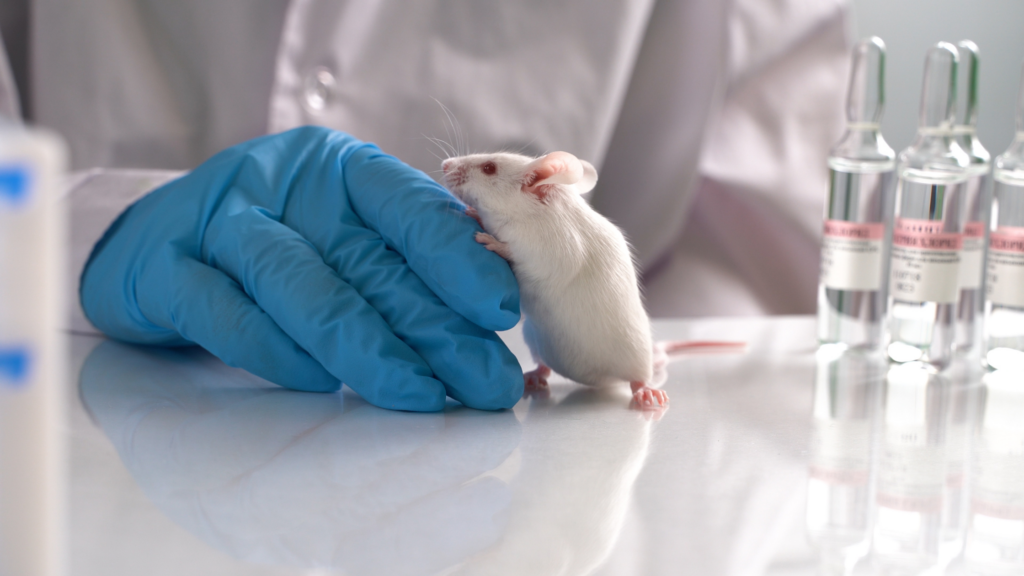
938, 91
967, 88
862, 144
965, 129
938, 148
862, 147
971, 144
936, 152
1010, 164
865, 95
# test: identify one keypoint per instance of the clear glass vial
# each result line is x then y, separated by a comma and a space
977, 202
1004, 299
928, 223
851, 290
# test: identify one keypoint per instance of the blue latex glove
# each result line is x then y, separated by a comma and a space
310, 257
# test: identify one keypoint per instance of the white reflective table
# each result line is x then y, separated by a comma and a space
774, 461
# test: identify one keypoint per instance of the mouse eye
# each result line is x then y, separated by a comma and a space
489, 168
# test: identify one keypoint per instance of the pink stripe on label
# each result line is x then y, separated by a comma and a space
1007, 239
974, 230
925, 235
854, 230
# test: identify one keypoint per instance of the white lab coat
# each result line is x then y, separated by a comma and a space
709, 121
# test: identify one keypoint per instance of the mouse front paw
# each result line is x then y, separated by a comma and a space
494, 245
472, 213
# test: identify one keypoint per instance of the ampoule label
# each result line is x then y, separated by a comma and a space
972, 256
1006, 266
851, 255
925, 262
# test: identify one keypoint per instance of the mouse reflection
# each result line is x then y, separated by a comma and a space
272, 476
570, 500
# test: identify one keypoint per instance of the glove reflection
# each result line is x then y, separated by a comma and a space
273, 476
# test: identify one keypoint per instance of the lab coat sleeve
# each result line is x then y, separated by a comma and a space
94, 199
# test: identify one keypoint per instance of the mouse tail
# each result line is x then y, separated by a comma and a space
681, 347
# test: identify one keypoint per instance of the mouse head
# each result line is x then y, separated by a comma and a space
511, 183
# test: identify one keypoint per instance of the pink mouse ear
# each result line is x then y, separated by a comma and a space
589, 180
555, 168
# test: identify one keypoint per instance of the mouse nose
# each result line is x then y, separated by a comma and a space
445, 165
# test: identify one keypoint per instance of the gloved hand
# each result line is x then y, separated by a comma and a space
309, 257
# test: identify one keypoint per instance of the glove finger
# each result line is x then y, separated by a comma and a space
286, 276
425, 224
210, 309
475, 366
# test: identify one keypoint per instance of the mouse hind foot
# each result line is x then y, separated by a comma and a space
535, 382
646, 397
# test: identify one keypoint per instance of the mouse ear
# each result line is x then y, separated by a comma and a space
555, 168
589, 180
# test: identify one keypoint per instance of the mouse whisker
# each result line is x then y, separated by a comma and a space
460, 148
448, 121
445, 148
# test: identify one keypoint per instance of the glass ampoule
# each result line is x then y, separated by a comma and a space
977, 202
1004, 299
927, 237
852, 287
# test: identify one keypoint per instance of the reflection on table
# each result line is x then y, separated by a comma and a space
913, 472
313, 481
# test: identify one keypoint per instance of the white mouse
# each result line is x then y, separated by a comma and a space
583, 315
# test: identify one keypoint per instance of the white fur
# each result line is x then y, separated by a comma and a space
583, 314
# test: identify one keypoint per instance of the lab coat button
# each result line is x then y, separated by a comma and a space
319, 86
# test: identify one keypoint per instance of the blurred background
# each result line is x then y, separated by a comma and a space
909, 27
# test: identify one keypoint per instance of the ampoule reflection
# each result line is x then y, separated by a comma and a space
846, 406
1004, 299
852, 287
906, 536
929, 220
995, 534
962, 416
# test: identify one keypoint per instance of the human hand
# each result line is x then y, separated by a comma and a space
308, 258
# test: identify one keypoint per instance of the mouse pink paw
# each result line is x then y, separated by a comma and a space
646, 397
535, 383
537, 378
494, 245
